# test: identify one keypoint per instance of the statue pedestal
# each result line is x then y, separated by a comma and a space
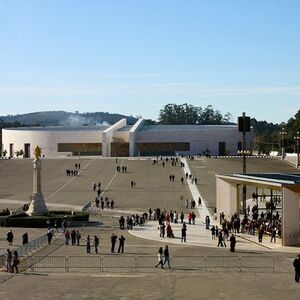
37, 206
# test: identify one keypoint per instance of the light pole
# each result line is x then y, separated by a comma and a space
297, 139
244, 126
282, 133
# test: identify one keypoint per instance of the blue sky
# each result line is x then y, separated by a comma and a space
133, 57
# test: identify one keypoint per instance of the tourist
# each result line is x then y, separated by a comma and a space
8, 260
220, 239
260, 234
160, 258
25, 238
112, 202
49, 236
232, 243
167, 256
296, 264
213, 231
94, 186
273, 235
88, 244
73, 237
15, 262
96, 243
64, 225
181, 217
67, 237
183, 233
78, 236
199, 202
113, 242
10, 237
121, 244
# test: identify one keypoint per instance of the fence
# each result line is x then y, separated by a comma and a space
29, 248
120, 263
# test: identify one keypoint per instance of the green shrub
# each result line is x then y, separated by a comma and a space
23, 220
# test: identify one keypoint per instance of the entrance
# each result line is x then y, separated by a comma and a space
26, 150
222, 147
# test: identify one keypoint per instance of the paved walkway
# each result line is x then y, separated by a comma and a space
203, 210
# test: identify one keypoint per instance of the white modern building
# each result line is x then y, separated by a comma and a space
121, 139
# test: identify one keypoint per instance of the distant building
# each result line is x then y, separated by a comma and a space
120, 139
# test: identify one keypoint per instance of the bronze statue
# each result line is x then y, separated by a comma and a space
37, 152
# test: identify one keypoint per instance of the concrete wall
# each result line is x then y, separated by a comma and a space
227, 198
132, 137
290, 217
47, 139
107, 136
200, 139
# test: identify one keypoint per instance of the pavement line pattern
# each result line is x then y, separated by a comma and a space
203, 210
68, 182
110, 182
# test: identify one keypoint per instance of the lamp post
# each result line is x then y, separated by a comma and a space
297, 139
244, 126
282, 133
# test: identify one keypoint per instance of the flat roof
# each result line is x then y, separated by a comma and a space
60, 128
281, 178
184, 127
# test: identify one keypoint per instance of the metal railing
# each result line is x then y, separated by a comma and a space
121, 263
29, 248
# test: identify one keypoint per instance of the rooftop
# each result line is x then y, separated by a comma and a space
282, 178
60, 128
184, 127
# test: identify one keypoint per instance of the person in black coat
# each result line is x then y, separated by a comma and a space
121, 244
113, 242
232, 243
296, 265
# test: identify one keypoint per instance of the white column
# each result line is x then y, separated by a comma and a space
227, 198
290, 217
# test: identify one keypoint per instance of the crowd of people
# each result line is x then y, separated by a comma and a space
264, 223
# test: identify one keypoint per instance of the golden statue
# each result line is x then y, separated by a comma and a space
37, 152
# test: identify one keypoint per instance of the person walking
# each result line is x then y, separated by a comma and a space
88, 244
67, 237
160, 258
183, 233
296, 264
273, 235
213, 232
78, 236
121, 244
49, 236
96, 243
232, 243
10, 237
15, 262
113, 242
8, 260
25, 238
167, 256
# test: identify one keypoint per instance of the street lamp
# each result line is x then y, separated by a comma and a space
283, 141
297, 139
244, 126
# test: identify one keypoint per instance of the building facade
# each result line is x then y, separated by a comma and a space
125, 140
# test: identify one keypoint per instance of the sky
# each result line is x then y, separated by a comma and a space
135, 56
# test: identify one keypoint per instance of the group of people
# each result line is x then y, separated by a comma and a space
73, 172
99, 200
70, 172
10, 238
133, 220
263, 223
122, 169
163, 257
12, 261
74, 236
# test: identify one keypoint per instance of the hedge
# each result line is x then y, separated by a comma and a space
23, 220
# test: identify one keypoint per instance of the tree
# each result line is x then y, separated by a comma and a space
187, 114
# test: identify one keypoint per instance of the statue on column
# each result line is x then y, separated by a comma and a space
37, 206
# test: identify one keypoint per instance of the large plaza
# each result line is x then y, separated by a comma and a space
153, 190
